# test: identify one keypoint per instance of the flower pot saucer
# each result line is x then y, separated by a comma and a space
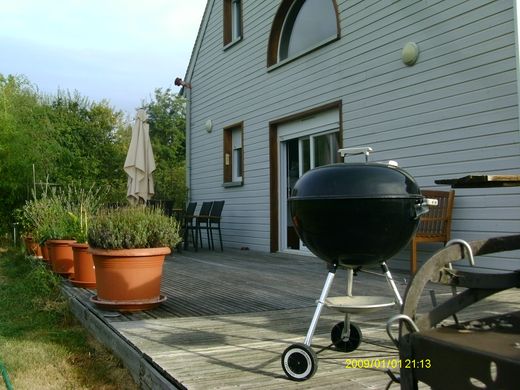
133, 305
83, 284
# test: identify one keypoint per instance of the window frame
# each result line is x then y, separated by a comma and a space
233, 136
277, 29
233, 22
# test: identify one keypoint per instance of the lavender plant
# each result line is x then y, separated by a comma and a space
133, 227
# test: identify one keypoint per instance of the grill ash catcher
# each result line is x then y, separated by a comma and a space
351, 215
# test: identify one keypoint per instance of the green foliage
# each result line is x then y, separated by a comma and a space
87, 136
170, 184
81, 205
50, 218
39, 337
26, 139
62, 138
61, 213
133, 227
53, 141
167, 120
37, 283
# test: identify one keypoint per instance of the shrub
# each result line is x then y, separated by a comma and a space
49, 218
133, 227
61, 214
81, 205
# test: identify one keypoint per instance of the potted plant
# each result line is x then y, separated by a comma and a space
57, 230
24, 221
26, 218
83, 206
49, 221
84, 269
129, 245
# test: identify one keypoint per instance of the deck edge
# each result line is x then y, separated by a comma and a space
146, 373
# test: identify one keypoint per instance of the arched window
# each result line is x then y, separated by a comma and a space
301, 26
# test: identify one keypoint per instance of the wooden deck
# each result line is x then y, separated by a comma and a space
230, 315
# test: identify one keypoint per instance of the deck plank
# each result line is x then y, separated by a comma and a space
230, 315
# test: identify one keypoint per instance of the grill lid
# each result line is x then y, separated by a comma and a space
356, 180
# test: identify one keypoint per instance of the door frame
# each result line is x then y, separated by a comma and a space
274, 163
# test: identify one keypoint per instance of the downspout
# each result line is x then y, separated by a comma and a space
516, 9
187, 92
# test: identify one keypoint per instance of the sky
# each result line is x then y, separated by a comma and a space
118, 50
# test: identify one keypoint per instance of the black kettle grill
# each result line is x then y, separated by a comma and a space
356, 214
351, 215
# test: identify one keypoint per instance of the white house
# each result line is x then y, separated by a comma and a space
277, 86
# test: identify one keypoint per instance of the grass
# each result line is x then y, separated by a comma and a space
41, 344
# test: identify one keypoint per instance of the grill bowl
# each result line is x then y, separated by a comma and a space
356, 214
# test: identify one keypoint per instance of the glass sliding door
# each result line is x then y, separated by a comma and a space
298, 155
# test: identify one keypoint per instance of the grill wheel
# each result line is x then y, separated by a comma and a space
299, 362
353, 340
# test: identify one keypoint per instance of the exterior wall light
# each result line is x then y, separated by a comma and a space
208, 125
410, 53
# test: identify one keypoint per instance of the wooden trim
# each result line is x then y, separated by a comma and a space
228, 149
243, 151
276, 31
338, 24
274, 167
227, 21
226, 158
273, 186
325, 107
241, 21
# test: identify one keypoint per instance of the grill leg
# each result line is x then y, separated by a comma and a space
345, 333
391, 282
321, 303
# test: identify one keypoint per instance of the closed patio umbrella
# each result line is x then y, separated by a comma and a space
139, 163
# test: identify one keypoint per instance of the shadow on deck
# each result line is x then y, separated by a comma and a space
230, 315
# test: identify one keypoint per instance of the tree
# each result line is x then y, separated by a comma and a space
27, 142
68, 140
91, 142
167, 120
65, 139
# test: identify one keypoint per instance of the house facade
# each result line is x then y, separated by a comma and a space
277, 86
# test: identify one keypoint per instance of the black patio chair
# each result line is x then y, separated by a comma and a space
214, 222
202, 222
187, 223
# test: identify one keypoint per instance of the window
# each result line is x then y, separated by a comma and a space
301, 26
232, 21
233, 155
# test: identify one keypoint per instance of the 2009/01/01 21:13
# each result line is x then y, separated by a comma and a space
388, 363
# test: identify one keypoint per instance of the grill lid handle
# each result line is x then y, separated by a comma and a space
431, 202
345, 152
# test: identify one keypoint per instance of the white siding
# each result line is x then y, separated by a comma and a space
453, 113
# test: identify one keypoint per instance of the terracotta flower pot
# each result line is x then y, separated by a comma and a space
60, 255
32, 247
45, 252
129, 279
84, 270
